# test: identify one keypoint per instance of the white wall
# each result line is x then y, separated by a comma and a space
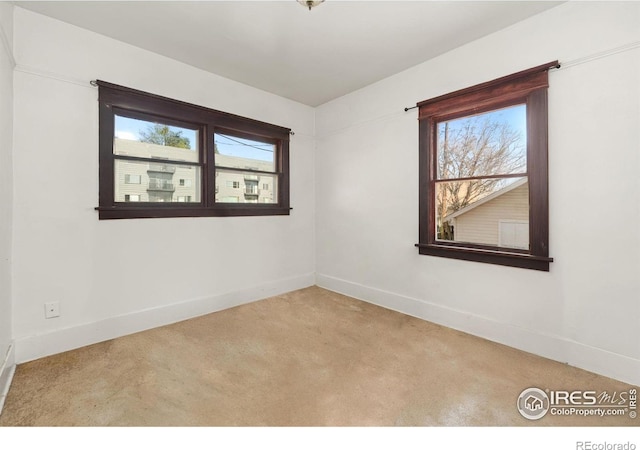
6, 193
586, 310
120, 276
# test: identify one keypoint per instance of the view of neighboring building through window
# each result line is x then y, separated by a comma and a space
490, 219
483, 172
480, 159
175, 154
154, 182
244, 163
177, 159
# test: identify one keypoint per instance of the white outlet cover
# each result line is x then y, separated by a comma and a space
51, 309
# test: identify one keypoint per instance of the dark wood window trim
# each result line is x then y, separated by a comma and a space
527, 87
142, 105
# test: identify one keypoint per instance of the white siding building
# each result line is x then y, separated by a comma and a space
500, 219
137, 181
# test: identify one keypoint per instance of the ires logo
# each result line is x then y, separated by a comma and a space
534, 403
589, 398
573, 398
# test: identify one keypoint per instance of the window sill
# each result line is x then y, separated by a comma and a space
521, 260
142, 212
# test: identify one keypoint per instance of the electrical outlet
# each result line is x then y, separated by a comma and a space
51, 310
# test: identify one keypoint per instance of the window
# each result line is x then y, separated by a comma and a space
513, 234
251, 158
132, 179
483, 172
179, 157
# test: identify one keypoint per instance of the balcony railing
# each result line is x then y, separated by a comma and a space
251, 191
162, 168
160, 185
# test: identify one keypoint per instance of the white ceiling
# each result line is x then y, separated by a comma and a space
281, 47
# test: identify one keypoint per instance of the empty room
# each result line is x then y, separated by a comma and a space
320, 214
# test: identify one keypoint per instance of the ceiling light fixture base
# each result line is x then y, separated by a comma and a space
310, 3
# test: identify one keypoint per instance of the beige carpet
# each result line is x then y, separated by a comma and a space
307, 358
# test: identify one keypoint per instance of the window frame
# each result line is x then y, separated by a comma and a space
526, 87
119, 100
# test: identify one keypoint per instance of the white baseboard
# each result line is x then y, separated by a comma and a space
7, 369
557, 348
29, 348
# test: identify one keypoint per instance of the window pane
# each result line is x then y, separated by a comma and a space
514, 234
232, 151
493, 143
132, 179
158, 182
244, 187
487, 211
134, 137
